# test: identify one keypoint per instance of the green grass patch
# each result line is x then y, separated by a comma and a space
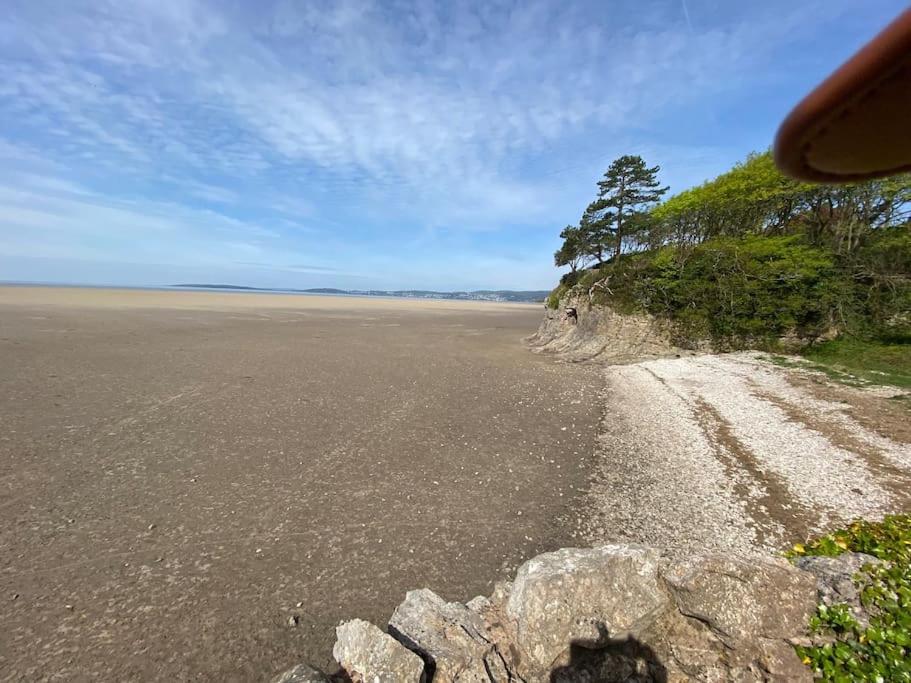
870, 361
881, 651
832, 373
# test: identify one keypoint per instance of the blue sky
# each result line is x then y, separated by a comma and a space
371, 144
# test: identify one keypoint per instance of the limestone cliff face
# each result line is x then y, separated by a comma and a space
599, 332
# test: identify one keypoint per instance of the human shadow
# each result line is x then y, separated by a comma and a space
610, 660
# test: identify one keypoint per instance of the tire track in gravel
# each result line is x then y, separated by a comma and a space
773, 510
892, 477
725, 451
834, 482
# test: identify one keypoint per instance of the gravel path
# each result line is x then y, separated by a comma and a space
731, 452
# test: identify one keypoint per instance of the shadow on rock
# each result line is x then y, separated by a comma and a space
610, 660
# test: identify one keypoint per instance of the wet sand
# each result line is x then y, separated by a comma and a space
181, 473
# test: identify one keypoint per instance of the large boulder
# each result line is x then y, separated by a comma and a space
452, 639
614, 613
369, 655
584, 598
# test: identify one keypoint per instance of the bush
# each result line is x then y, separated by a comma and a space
881, 651
737, 292
882, 276
553, 299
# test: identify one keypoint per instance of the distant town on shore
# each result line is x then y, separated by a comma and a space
530, 296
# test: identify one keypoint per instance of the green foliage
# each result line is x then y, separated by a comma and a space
881, 651
573, 252
553, 299
755, 198
752, 256
881, 272
737, 292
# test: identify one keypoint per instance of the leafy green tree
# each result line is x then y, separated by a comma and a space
752, 254
625, 195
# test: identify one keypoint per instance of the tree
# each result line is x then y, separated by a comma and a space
572, 253
593, 233
627, 192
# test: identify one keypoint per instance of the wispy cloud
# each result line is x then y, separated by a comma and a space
356, 124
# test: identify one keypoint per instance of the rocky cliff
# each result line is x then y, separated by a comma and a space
612, 613
599, 332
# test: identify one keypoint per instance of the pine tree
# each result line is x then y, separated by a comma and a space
572, 253
626, 193
594, 231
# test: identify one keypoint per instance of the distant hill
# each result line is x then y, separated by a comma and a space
532, 296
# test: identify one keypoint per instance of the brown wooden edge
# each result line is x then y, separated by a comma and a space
854, 81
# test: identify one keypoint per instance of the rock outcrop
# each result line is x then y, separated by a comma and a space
602, 333
580, 596
612, 613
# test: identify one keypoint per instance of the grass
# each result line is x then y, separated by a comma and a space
880, 651
869, 361
830, 372
856, 363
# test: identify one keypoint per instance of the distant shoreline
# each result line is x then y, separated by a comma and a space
493, 296
502, 295
85, 296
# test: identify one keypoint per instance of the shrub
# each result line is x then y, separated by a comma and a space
553, 299
738, 292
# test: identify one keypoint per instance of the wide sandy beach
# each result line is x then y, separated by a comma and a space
200, 485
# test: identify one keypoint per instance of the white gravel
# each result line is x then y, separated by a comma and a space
711, 450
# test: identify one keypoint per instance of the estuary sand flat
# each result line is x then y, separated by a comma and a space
200, 485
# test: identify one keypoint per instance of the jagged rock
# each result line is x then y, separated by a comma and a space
367, 654
835, 580
478, 604
743, 612
302, 673
599, 331
451, 638
580, 597
739, 597
614, 613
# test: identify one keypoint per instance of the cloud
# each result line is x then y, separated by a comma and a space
289, 127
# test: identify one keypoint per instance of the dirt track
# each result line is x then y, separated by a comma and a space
179, 471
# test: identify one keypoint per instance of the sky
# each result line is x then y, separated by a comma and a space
364, 144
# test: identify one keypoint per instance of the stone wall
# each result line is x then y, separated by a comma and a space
612, 613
